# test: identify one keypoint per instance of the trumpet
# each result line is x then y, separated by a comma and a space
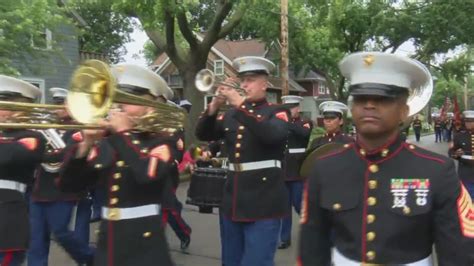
205, 81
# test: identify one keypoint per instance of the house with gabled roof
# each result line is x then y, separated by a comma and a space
306, 83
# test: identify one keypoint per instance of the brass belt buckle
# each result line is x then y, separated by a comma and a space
113, 214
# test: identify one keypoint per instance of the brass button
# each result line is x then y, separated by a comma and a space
370, 218
144, 150
412, 147
264, 179
239, 136
117, 175
237, 145
336, 206
112, 215
241, 127
113, 201
406, 210
384, 152
373, 168
370, 236
372, 184
115, 188
226, 129
127, 133
251, 111
362, 152
346, 145
371, 201
254, 104
259, 116
136, 142
242, 106
120, 163
147, 234
50, 151
370, 255
237, 155
98, 166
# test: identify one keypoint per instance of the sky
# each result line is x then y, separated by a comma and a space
135, 56
134, 48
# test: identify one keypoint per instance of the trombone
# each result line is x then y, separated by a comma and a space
37, 116
92, 93
206, 80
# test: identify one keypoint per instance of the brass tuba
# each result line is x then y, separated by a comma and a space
419, 97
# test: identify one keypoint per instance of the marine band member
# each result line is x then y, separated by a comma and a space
135, 166
382, 200
21, 152
255, 133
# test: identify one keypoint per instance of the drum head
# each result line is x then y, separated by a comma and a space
324, 150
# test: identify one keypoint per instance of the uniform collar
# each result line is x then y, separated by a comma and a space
256, 103
332, 135
387, 150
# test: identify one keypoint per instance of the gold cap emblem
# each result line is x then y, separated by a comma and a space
369, 60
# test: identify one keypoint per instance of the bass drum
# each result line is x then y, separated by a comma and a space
206, 188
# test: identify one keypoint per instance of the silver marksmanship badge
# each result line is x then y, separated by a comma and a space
401, 188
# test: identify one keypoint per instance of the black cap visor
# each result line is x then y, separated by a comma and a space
376, 89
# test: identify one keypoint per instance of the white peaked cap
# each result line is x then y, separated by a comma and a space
10, 84
333, 106
142, 77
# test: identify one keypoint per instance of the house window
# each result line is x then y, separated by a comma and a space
272, 97
219, 67
42, 40
174, 80
322, 89
277, 70
40, 84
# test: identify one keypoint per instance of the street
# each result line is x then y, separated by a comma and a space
204, 249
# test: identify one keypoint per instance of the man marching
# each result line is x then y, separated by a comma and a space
299, 132
53, 212
134, 166
21, 152
255, 133
382, 201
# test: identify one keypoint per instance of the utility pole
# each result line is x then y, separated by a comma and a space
284, 48
466, 96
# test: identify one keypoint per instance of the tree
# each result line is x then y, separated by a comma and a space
322, 32
107, 30
171, 27
23, 26
452, 76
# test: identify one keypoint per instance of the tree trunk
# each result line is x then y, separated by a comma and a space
197, 99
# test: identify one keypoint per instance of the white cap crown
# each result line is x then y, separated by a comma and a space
142, 77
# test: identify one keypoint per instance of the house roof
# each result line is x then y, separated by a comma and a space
275, 83
228, 49
234, 49
160, 59
304, 74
